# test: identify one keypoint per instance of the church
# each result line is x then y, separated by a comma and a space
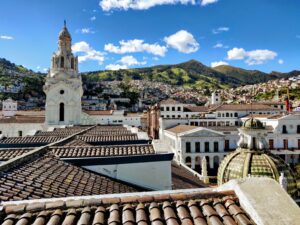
63, 89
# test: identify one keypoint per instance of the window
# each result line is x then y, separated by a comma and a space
61, 92
20, 133
285, 143
0, 131
298, 143
271, 144
284, 131
173, 108
187, 147
167, 108
72, 63
216, 146
227, 114
178, 109
206, 144
298, 129
161, 108
236, 114
188, 161
62, 62
197, 146
226, 145
236, 123
61, 112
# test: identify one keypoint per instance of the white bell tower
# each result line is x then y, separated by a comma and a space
63, 86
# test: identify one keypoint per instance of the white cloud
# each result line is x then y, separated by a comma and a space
183, 41
254, 57
108, 5
5, 37
207, 2
280, 61
124, 63
236, 54
220, 45
88, 53
93, 18
130, 61
220, 30
86, 31
136, 45
218, 63
116, 67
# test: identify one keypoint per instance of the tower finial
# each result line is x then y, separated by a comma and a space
65, 23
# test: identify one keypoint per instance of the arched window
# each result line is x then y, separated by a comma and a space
236, 114
61, 112
227, 114
72, 63
62, 62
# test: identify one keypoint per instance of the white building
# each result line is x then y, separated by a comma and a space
63, 87
9, 107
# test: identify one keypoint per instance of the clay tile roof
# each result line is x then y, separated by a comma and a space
111, 138
99, 112
217, 209
197, 108
31, 140
245, 107
102, 151
6, 154
48, 177
22, 119
169, 102
184, 179
181, 128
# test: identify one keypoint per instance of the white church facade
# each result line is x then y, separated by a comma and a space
63, 87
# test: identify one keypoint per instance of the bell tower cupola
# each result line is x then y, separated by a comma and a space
63, 59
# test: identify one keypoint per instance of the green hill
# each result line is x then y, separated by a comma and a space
191, 74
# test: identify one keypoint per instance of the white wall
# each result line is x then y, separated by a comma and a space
151, 175
12, 129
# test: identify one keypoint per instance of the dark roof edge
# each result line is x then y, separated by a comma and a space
35, 153
85, 161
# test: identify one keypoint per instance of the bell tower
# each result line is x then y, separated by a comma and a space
63, 86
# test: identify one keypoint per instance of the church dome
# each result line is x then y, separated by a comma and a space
244, 162
253, 123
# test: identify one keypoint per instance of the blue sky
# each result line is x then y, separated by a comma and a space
112, 34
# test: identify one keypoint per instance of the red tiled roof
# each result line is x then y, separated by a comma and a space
102, 151
22, 119
181, 128
100, 112
184, 179
157, 209
9, 153
90, 138
30, 139
245, 107
197, 108
48, 177
169, 102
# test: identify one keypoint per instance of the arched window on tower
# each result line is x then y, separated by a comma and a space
72, 63
61, 112
62, 62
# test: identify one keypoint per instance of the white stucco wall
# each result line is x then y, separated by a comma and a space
151, 175
12, 129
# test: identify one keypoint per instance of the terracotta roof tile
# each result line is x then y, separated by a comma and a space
47, 177
102, 151
184, 179
181, 128
198, 211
